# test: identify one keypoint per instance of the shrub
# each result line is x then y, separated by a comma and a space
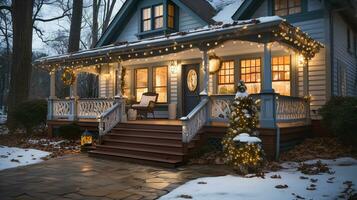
340, 116
30, 114
70, 132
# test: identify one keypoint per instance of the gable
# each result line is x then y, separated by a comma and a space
127, 25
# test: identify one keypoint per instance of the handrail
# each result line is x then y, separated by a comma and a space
194, 121
109, 119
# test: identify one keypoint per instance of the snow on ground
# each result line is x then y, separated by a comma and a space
328, 186
11, 157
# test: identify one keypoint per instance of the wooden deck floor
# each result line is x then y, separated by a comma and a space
156, 122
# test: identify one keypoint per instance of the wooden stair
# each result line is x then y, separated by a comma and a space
157, 144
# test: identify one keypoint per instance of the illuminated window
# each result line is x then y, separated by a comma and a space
171, 16
141, 82
159, 16
146, 19
287, 7
250, 74
160, 83
127, 80
281, 74
226, 78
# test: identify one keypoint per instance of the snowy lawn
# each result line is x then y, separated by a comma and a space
299, 186
13, 157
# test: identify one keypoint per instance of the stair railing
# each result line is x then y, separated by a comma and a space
194, 121
110, 118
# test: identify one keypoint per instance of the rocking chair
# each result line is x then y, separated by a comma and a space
146, 105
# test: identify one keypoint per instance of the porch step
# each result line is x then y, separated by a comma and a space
157, 143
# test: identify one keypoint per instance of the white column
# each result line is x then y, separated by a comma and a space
118, 69
53, 84
306, 78
267, 72
205, 64
73, 89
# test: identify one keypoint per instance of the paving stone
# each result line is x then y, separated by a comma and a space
81, 177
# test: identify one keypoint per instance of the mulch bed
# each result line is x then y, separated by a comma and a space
41, 141
318, 148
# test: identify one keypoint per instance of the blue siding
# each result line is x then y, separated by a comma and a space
131, 29
188, 22
342, 57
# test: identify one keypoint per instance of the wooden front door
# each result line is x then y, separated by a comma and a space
190, 85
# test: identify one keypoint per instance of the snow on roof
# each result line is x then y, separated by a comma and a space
225, 9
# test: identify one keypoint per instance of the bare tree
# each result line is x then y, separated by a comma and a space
22, 53
75, 30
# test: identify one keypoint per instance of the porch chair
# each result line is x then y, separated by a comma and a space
147, 104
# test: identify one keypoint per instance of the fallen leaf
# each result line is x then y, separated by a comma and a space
281, 186
276, 176
201, 182
184, 196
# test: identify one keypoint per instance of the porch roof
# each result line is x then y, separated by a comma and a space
260, 30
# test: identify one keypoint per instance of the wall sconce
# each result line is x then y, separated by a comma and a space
173, 67
301, 60
214, 63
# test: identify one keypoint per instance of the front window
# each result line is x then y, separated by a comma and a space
160, 83
141, 82
287, 7
226, 78
250, 74
146, 19
171, 16
281, 74
159, 16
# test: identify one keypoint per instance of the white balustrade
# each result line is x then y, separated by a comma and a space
61, 109
93, 108
291, 109
110, 118
194, 121
221, 107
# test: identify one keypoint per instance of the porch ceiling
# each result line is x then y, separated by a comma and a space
260, 30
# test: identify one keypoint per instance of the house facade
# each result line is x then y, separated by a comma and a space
193, 54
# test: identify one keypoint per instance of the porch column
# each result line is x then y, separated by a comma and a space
205, 64
118, 69
73, 89
268, 96
267, 73
306, 78
53, 84
73, 99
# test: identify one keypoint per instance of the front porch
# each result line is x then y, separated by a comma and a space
271, 56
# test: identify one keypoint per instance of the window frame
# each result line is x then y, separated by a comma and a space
282, 71
142, 20
167, 82
225, 75
250, 73
173, 16
287, 8
136, 84
154, 17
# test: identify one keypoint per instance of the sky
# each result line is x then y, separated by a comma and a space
50, 28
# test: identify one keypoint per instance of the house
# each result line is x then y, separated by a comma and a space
192, 54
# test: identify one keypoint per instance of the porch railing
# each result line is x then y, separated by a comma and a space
194, 121
110, 118
60, 109
92, 108
287, 108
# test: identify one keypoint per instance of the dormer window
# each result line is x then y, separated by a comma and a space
158, 19
287, 7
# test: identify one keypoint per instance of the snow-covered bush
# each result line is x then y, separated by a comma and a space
340, 116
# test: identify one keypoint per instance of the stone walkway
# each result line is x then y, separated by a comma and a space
83, 177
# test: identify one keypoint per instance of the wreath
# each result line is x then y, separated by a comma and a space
68, 76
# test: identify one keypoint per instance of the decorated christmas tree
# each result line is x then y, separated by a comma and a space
241, 147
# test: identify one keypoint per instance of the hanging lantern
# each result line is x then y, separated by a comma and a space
214, 63
86, 139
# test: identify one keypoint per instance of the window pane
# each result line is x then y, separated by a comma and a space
146, 13
147, 25
171, 10
139, 93
162, 91
159, 22
287, 7
160, 83
141, 77
251, 74
171, 22
159, 10
226, 78
226, 89
127, 81
281, 74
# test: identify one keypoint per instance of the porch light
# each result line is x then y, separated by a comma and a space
214, 63
173, 67
301, 60
86, 139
